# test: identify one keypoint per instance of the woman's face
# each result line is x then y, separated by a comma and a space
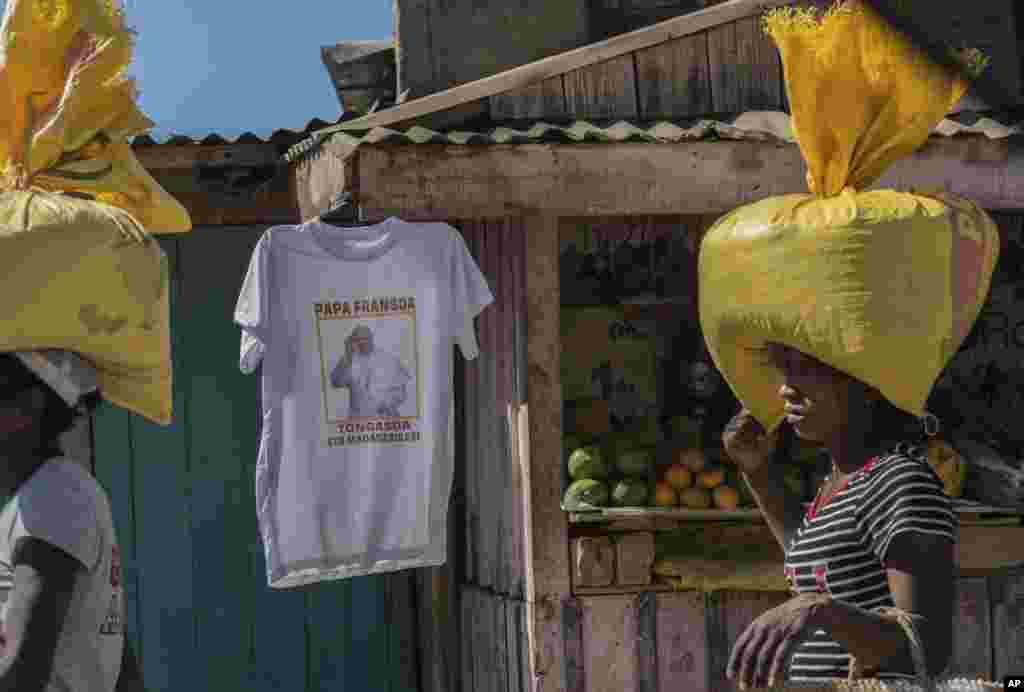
22, 401
817, 397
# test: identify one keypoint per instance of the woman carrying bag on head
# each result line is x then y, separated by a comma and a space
60, 572
834, 313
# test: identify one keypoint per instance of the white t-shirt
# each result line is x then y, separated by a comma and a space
355, 328
64, 506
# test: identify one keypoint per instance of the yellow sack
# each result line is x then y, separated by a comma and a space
77, 275
85, 277
69, 109
882, 285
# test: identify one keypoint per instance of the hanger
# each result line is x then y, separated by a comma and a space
343, 212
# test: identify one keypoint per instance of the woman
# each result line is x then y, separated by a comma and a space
880, 533
60, 579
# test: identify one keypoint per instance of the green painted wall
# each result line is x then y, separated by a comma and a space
200, 614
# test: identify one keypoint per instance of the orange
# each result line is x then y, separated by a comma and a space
695, 498
693, 459
665, 495
711, 478
725, 497
679, 477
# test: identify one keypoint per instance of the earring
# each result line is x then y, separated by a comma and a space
931, 424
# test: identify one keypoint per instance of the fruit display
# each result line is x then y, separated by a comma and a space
586, 494
948, 465
630, 492
665, 495
695, 498
588, 462
636, 462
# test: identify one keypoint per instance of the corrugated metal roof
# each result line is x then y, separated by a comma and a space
282, 137
748, 126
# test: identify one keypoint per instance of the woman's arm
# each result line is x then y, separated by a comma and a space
43, 580
780, 508
130, 679
920, 568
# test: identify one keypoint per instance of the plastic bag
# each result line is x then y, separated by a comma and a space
882, 285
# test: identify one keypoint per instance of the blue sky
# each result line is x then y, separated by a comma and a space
231, 66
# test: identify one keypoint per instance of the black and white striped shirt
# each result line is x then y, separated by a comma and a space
841, 549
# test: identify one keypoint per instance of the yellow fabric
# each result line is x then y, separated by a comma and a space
69, 109
861, 95
880, 284
100, 290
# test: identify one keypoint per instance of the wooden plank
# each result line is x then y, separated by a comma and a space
647, 643
572, 629
745, 68
547, 577
1007, 592
539, 101
593, 562
279, 652
972, 630
518, 663
471, 568
220, 434
112, 451
564, 63
328, 627
318, 178
470, 645
416, 182
728, 615
673, 79
505, 233
517, 262
488, 462
163, 545
990, 547
760, 71
499, 643
682, 641
603, 91
367, 637
404, 660
610, 643
166, 157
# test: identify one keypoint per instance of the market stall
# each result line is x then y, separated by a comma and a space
607, 544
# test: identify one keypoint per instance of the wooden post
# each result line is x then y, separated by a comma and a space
547, 541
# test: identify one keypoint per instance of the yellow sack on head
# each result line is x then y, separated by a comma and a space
882, 285
85, 277
69, 109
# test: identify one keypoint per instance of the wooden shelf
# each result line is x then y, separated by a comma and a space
669, 518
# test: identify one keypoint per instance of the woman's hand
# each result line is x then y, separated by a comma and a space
760, 655
747, 443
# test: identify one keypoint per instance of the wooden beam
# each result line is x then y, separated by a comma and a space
430, 182
560, 64
162, 157
319, 177
547, 536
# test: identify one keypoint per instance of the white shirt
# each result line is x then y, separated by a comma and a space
356, 463
64, 506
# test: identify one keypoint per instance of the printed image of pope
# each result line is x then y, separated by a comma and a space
377, 381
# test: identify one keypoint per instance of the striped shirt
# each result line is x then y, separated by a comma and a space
841, 548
